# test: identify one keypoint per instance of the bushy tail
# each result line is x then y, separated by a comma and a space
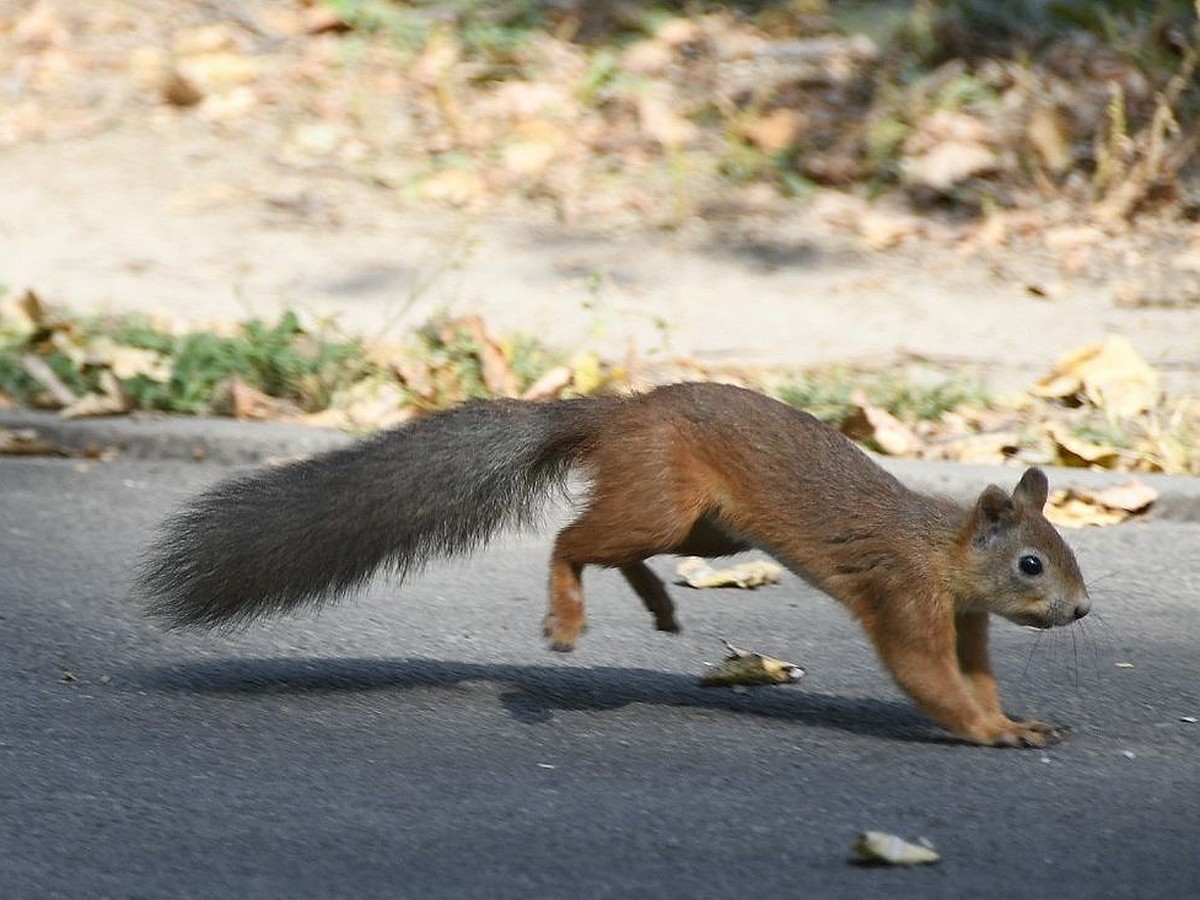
308, 532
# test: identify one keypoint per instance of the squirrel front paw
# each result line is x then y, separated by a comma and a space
1028, 733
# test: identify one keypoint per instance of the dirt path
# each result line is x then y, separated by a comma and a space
184, 224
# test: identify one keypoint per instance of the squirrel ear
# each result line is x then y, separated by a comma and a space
1032, 490
993, 511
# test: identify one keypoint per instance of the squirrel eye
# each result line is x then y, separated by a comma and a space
1030, 565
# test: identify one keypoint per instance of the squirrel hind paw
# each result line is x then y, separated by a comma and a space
563, 638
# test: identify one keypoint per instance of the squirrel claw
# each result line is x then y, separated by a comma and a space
1028, 733
1031, 734
1041, 734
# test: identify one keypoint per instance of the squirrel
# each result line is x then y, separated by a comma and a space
696, 469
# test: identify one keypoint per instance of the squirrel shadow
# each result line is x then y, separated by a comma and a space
533, 693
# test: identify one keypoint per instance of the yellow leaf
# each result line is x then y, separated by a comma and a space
1110, 375
699, 573
1078, 507
22, 315
744, 667
1076, 451
587, 376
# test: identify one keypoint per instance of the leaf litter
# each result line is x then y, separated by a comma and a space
1101, 406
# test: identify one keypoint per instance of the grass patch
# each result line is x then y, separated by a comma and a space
290, 371
157, 369
831, 394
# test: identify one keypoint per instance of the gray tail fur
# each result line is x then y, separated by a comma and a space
314, 530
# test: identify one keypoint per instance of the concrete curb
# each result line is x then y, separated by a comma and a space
141, 436
235, 443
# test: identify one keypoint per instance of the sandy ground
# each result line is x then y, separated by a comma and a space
186, 224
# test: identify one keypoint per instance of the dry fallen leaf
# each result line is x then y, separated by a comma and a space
111, 401
662, 124
1070, 511
375, 403
1079, 452
493, 364
881, 229
454, 187
25, 442
1110, 375
528, 158
948, 164
876, 425
882, 848
985, 447
649, 57
128, 362
1048, 133
1132, 496
416, 376
775, 131
587, 373
945, 148
699, 573
177, 90
1077, 507
248, 402
743, 667
550, 384
39, 370
22, 315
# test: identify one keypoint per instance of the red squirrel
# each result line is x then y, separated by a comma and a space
691, 469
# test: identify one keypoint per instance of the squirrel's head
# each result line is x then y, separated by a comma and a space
1022, 568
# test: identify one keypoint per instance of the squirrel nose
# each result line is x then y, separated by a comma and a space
1082, 608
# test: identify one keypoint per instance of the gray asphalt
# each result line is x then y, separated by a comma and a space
419, 741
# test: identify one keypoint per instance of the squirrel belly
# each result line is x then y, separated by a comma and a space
693, 469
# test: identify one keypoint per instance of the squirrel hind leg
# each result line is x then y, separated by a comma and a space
565, 620
654, 595
607, 535
705, 538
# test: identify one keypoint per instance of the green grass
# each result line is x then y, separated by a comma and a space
827, 394
281, 359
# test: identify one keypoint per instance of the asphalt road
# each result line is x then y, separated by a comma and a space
419, 741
